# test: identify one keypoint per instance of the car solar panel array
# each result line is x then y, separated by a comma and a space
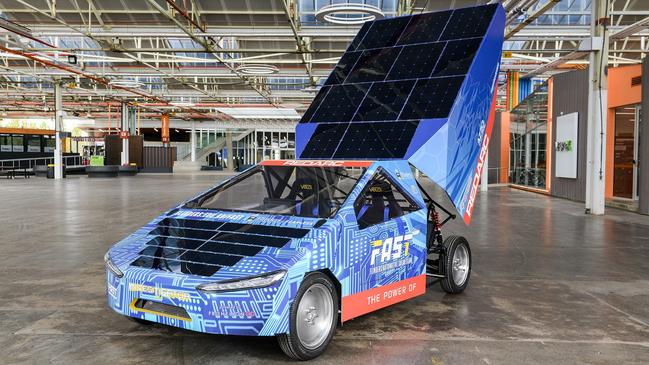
203, 247
395, 73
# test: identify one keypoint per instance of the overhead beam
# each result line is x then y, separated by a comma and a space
102, 42
556, 63
96, 12
537, 13
209, 43
290, 8
630, 30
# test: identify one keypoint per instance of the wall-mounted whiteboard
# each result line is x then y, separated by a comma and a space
565, 146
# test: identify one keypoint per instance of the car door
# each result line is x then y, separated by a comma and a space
387, 264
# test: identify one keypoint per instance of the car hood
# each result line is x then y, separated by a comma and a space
220, 245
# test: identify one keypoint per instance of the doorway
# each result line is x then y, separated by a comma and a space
625, 156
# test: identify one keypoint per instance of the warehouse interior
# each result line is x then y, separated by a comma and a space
114, 112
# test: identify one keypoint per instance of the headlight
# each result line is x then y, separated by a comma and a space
111, 266
251, 282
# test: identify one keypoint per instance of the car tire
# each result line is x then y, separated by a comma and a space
455, 264
313, 318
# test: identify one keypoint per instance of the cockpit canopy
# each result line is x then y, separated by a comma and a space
301, 190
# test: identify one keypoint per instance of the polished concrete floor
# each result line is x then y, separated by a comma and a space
550, 285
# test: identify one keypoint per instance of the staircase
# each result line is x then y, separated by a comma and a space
186, 153
184, 162
215, 146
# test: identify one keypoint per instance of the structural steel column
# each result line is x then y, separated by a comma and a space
597, 110
58, 128
230, 152
125, 127
192, 142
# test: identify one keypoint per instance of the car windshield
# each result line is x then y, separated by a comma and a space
316, 192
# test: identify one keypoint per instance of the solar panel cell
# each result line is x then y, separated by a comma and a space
384, 101
182, 233
314, 104
469, 22
163, 252
424, 28
359, 36
229, 248
416, 61
384, 33
457, 57
432, 98
373, 65
176, 266
176, 242
251, 239
376, 140
341, 103
265, 230
342, 69
324, 141
210, 258
190, 223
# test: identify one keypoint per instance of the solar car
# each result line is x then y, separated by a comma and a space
293, 248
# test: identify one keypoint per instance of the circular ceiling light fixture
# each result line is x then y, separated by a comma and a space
125, 83
257, 69
348, 13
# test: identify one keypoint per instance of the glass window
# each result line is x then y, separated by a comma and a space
50, 144
316, 192
528, 140
5, 143
33, 143
18, 143
380, 201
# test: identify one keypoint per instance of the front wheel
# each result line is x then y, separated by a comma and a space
313, 318
455, 264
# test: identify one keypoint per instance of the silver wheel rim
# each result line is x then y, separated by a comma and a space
460, 265
314, 316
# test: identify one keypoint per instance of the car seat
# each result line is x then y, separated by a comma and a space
381, 204
304, 192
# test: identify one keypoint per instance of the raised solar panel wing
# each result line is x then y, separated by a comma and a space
416, 87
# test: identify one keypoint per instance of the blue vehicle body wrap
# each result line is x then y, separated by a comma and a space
337, 246
373, 109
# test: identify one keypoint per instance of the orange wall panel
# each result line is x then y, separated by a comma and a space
620, 93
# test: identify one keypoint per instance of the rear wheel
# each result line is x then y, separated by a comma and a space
455, 264
313, 318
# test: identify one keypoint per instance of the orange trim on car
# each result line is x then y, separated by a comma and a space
376, 298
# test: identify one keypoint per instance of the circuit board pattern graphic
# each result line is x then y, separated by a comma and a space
337, 245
